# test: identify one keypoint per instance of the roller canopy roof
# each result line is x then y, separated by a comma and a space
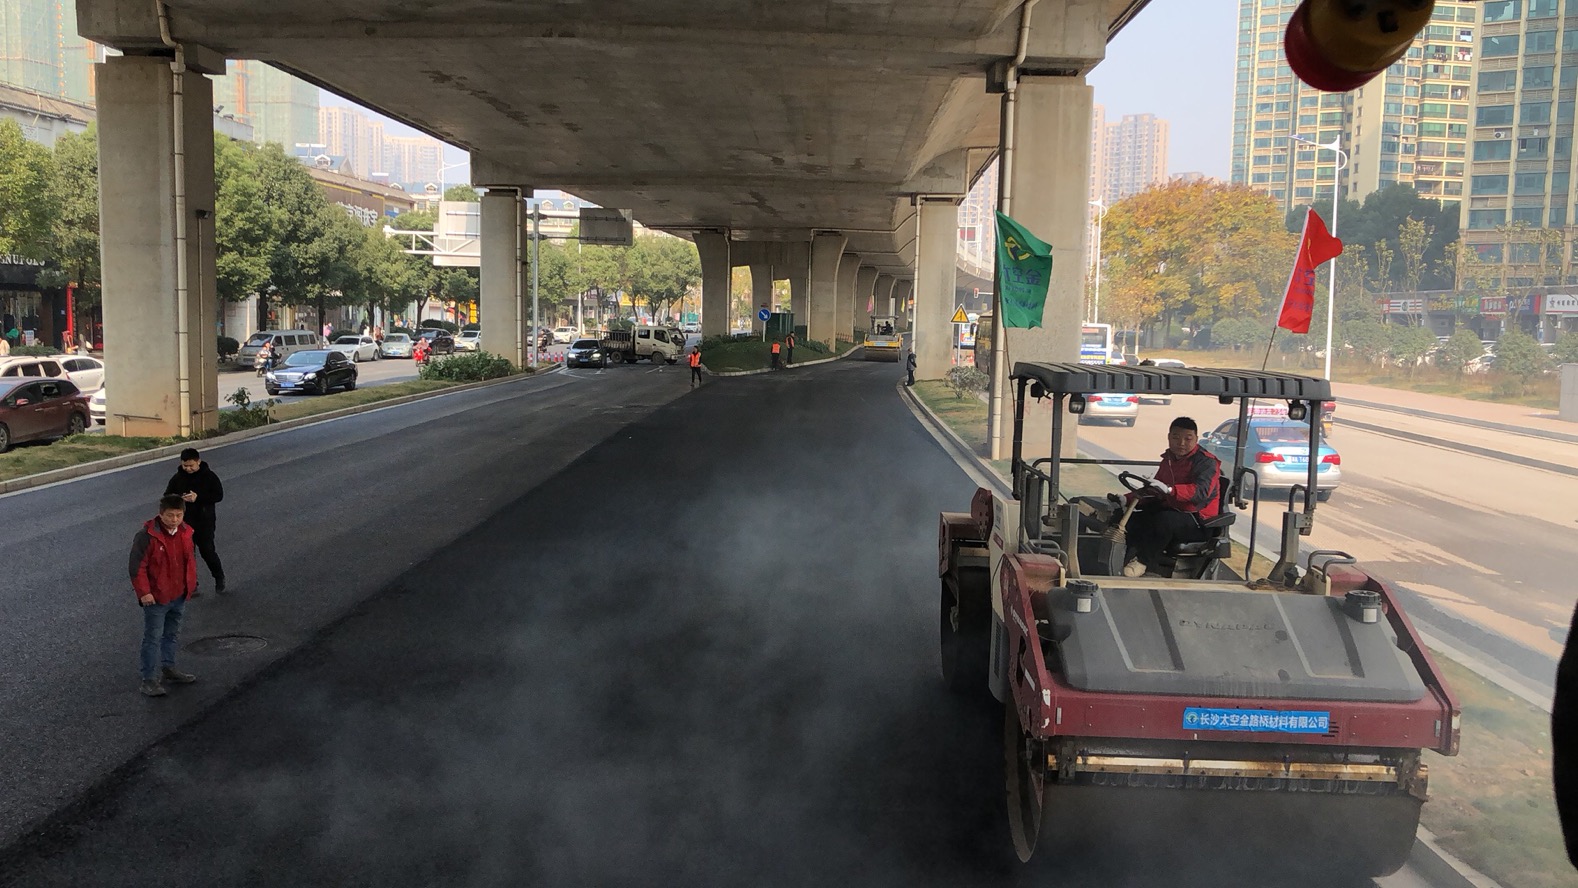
1084, 379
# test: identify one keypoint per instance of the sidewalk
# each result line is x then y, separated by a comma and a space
1466, 410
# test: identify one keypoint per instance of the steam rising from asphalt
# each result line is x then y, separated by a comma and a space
703, 655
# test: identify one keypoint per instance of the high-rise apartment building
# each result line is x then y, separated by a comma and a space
1098, 152
40, 50
1409, 125
355, 136
413, 161
1134, 156
1519, 213
280, 108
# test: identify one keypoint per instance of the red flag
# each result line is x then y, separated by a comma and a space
1316, 245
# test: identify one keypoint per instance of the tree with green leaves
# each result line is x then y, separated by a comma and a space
1464, 346
74, 241
27, 208
1409, 345
1566, 351
244, 230
1519, 356
462, 194
1381, 219
415, 220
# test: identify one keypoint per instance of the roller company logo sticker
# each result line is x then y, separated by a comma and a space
1199, 719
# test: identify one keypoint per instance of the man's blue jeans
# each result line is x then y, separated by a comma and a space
161, 626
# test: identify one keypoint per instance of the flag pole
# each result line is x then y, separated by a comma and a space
1267, 359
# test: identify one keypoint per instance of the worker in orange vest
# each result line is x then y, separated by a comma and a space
695, 366
775, 354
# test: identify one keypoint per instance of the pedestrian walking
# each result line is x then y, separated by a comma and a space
776, 365
200, 489
789, 346
695, 366
909, 368
163, 575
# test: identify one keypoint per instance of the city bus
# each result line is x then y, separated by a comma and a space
1095, 344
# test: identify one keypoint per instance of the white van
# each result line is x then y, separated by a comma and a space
287, 342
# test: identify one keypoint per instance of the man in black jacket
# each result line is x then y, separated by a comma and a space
197, 484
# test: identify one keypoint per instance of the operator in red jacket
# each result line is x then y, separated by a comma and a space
1185, 492
163, 572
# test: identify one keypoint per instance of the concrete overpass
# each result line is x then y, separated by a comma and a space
826, 142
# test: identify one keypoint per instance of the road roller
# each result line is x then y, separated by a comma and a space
882, 340
1261, 721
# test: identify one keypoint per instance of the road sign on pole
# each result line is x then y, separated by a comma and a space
959, 317
764, 315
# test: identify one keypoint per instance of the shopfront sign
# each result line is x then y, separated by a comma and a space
1499, 306
1561, 303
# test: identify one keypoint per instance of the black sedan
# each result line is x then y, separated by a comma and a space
440, 342
586, 353
317, 371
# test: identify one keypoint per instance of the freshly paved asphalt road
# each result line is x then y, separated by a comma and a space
592, 635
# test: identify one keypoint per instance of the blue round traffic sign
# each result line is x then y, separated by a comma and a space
764, 315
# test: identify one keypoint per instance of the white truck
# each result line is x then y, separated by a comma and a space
643, 341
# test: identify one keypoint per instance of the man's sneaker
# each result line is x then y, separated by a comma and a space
171, 673
151, 688
1135, 568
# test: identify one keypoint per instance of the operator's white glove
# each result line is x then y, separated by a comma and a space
1159, 487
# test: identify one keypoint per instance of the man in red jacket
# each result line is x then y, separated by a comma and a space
163, 573
1186, 491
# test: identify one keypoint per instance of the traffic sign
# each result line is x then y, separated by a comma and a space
764, 314
959, 317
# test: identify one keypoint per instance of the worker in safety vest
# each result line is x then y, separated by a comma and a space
789, 355
695, 366
775, 355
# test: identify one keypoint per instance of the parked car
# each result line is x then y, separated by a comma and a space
1482, 364
1279, 450
33, 409
96, 406
284, 342
357, 348
468, 340
586, 353
1119, 408
690, 327
86, 373
439, 341
565, 334
1165, 364
317, 371
396, 345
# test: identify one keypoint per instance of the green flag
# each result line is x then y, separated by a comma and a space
1024, 269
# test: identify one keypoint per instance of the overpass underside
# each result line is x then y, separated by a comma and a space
826, 143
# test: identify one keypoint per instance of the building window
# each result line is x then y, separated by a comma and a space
1499, 47
1539, 41
1539, 77
1528, 183
1497, 81
1559, 216
1524, 254
1531, 216
1488, 185
1490, 254
1483, 219
1534, 113
1559, 180
1502, 10
1305, 193
1433, 130
1454, 170
1562, 149
1432, 109
1564, 111
1532, 148
1490, 115
1542, 8
1494, 149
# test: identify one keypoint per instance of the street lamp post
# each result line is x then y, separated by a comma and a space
1336, 199
1095, 303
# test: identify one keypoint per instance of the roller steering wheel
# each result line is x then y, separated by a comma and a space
1134, 483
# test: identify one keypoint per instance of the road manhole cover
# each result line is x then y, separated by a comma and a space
228, 645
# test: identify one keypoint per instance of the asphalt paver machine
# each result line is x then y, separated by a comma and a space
1274, 721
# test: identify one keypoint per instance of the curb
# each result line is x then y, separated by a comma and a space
1435, 863
786, 366
126, 460
1487, 452
1461, 420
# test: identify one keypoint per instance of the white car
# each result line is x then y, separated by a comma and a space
1165, 363
565, 334
468, 340
96, 406
1122, 408
86, 373
357, 348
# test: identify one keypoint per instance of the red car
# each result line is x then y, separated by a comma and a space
33, 409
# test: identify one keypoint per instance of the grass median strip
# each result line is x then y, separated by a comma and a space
31, 459
734, 355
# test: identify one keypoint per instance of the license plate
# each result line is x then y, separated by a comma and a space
1296, 460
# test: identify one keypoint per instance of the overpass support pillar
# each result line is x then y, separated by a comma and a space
1046, 189
827, 249
848, 271
500, 306
902, 291
882, 295
936, 276
863, 307
716, 273
761, 293
156, 170
799, 284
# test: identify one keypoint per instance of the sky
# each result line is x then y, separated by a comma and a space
1175, 60
1150, 67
